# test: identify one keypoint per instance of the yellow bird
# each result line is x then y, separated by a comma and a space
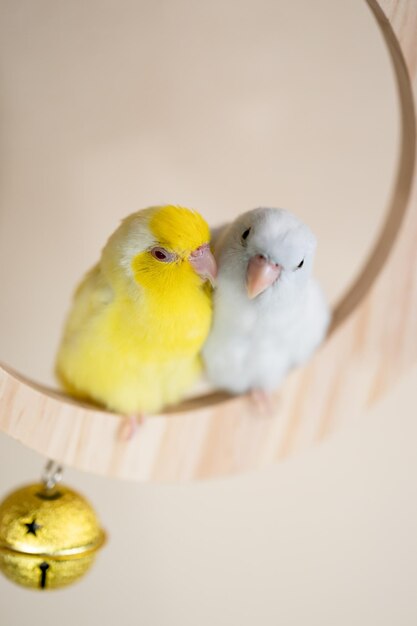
141, 315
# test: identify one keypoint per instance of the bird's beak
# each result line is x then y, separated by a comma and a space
204, 263
260, 275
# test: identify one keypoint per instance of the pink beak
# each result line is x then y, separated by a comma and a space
260, 275
204, 263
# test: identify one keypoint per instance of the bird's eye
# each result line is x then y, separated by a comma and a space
160, 254
300, 264
245, 234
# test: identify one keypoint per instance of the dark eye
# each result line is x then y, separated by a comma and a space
245, 234
162, 255
300, 264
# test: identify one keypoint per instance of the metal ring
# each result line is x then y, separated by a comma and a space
52, 474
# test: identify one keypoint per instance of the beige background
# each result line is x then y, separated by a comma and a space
110, 106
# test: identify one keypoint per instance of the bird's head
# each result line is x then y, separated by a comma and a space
271, 251
161, 246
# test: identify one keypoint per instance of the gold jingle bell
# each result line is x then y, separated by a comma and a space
49, 536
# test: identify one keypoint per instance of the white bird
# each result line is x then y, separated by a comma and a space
269, 312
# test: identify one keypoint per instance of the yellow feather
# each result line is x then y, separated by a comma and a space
173, 224
137, 325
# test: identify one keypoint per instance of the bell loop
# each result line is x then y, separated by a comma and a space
52, 474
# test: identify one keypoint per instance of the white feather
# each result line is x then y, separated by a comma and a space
254, 343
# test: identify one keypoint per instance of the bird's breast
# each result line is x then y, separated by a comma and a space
167, 323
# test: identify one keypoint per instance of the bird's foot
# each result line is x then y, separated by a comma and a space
129, 427
263, 402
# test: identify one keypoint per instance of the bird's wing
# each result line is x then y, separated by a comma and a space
91, 296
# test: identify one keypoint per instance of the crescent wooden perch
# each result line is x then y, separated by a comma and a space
216, 434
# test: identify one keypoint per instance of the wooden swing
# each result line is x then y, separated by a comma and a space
216, 434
